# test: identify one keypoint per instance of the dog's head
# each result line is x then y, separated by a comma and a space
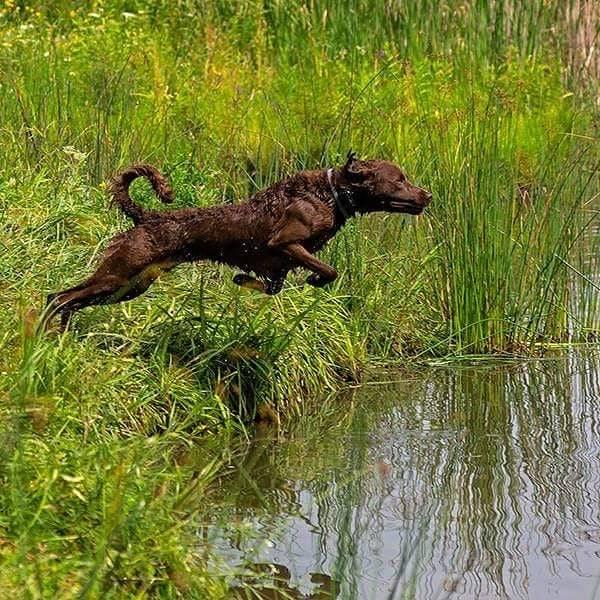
379, 185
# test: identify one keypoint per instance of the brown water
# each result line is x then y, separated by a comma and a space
478, 482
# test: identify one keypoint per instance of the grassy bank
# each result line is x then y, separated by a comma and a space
491, 108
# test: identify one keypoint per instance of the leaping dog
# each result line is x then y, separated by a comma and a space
276, 230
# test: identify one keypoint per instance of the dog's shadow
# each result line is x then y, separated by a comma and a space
236, 366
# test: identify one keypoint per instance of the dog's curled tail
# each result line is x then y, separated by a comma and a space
119, 189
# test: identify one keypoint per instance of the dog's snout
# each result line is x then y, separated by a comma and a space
425, 197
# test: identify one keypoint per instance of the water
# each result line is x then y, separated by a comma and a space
478, 482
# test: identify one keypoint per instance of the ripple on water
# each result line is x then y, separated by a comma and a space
467, 483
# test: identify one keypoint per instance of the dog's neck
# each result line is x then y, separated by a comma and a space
342, 198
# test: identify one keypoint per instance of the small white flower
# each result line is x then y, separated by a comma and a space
74, 153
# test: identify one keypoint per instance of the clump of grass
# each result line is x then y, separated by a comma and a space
504, 232
88, 510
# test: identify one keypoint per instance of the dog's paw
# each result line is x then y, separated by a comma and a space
316, 280
273, 286
241, 279
246, 281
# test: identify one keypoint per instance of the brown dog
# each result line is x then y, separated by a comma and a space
276, 230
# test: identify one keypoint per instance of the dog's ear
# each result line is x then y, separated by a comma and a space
350, 157
354, 169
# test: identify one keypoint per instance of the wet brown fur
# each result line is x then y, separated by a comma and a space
276, 230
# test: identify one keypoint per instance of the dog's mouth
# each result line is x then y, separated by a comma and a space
404, 207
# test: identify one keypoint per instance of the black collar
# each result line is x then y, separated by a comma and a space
343, 198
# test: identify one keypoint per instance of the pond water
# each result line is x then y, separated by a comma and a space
471, 482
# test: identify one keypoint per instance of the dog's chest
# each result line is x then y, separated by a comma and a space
314, 244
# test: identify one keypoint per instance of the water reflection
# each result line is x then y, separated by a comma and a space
470, 483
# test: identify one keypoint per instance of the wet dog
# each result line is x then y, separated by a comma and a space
276, 230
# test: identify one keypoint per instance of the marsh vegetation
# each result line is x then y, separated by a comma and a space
490, 105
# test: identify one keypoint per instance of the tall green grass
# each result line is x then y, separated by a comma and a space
479, 102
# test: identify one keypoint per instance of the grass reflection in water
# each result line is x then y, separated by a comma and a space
476, 482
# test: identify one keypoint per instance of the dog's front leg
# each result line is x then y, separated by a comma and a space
300, 222
322, 272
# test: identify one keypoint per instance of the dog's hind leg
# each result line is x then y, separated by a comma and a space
109, 290
271, 285
103, 289
53, 307
247, 281
78, 297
